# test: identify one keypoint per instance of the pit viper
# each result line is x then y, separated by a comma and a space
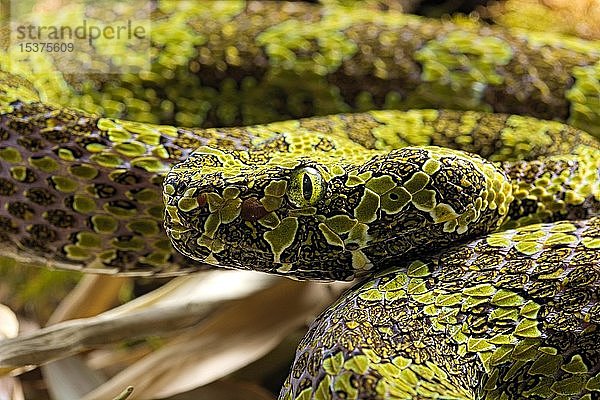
484, 270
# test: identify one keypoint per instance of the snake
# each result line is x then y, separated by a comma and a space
335, 143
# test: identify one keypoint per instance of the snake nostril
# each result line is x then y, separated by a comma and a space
252, 210
201, 199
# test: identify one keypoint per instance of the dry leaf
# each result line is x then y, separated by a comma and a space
9, 325
10, 388
181, 303
70, 379
92, 295
235, 336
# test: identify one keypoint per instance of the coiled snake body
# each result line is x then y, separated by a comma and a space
460, 312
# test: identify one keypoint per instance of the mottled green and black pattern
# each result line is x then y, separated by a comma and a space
490, 319
238, 63
338, 196
83, 192
457, 314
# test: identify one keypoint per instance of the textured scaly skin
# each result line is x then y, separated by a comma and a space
240, 63
509, 316
68, 201
334, 197
72, 199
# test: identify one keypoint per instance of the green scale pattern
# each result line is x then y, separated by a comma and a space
334, 197
487, 320
82, 192
226, 63
509, 315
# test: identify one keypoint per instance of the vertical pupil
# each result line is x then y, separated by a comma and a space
307, 188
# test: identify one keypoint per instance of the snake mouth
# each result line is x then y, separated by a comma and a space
222, 252
345, 262
304, 247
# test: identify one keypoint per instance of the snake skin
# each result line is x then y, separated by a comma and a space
462, 313
492, 319
240, 63
335, 197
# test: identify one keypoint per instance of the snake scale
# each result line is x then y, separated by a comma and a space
484, 270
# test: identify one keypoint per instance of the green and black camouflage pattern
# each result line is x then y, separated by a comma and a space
509, 316
513, 314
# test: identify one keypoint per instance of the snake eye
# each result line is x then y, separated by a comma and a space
306, 187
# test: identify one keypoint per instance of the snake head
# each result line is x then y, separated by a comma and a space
326, 214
